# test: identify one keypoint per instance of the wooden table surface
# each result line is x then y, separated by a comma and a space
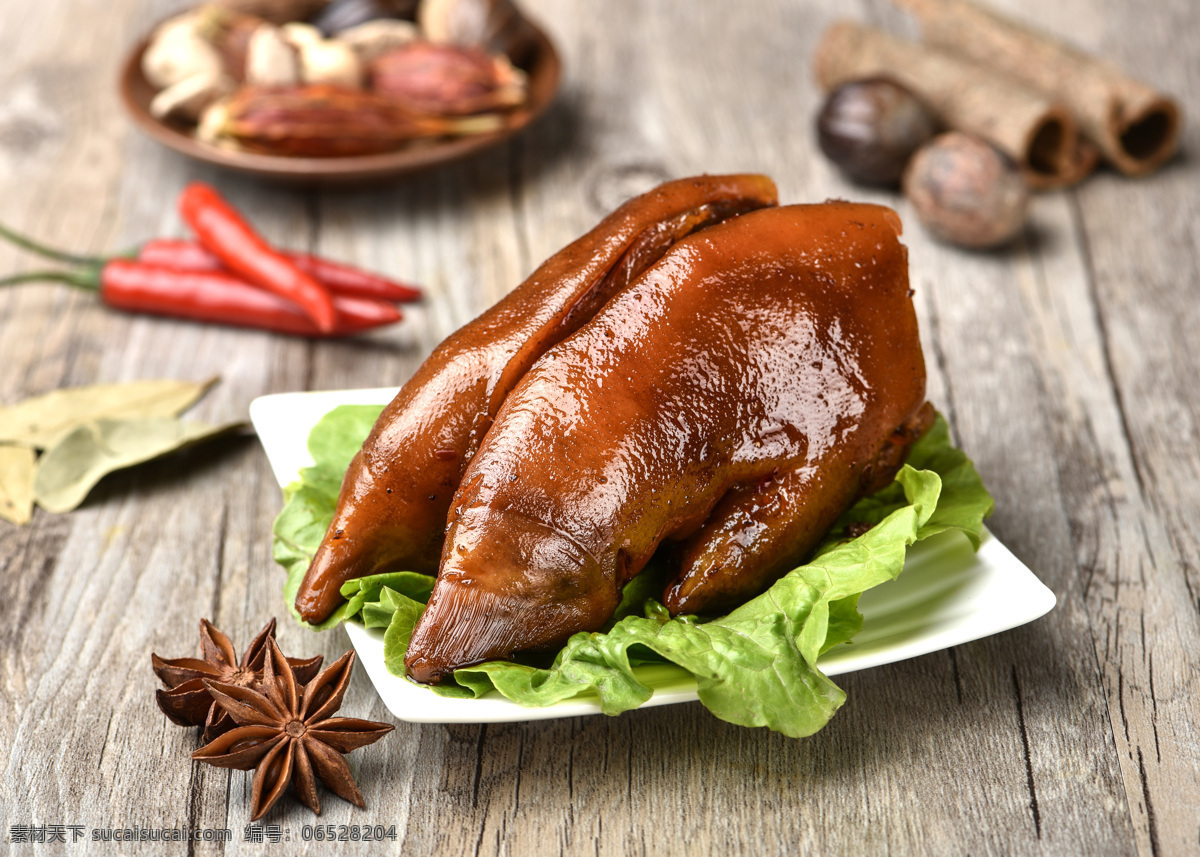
1067, 366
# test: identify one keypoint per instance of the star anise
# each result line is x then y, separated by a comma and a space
186, 700
288, 736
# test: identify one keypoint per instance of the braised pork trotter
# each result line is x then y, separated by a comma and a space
392, 509
735, 399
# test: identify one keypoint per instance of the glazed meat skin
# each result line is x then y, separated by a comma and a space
392, 509
735, 399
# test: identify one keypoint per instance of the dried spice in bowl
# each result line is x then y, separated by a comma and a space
352, 80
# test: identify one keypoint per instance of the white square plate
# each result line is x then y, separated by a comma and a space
947, 595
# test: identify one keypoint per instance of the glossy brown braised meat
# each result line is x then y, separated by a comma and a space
758, 532
734, 399
391, 514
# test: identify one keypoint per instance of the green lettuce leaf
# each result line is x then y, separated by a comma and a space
309, 503
756, 666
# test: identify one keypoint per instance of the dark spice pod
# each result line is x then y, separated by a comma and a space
447, 80
321, 121
870, 128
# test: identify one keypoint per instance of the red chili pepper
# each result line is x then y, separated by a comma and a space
178, 254
340, 279
212, 296
347, 280
223, 232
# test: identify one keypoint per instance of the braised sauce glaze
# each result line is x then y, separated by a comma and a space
394, 500
733, 400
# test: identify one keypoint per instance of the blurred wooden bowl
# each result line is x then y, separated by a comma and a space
540, 62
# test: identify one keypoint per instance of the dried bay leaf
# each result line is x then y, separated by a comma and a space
70, 468
16, 483
41, 421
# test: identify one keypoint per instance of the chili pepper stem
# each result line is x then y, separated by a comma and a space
40, 249
88, 280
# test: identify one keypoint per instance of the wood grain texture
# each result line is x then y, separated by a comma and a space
1066, 366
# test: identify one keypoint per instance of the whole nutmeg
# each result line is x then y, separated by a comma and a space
870, 128
966, 192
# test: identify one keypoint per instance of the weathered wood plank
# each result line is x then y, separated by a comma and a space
1064, 367
1120, 372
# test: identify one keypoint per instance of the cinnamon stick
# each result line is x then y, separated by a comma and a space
1036, 132
1136, 127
